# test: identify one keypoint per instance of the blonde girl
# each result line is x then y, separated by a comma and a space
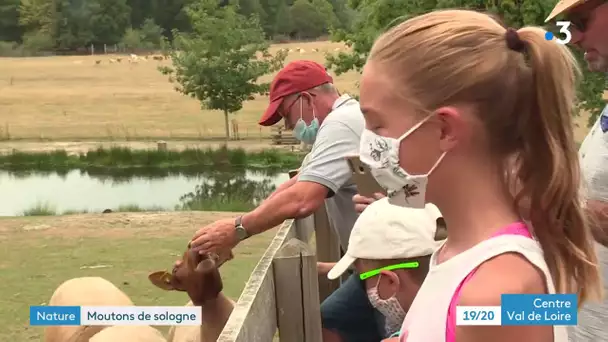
477, 119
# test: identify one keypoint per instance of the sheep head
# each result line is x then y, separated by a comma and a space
196, 274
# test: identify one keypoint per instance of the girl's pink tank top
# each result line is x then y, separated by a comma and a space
518, 228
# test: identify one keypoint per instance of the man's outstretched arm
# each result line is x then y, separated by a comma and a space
298, 201
325, 172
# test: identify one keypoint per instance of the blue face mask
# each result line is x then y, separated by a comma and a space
303, 132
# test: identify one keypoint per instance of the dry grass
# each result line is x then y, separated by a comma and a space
72, 98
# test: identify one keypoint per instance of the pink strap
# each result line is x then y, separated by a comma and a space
518, 228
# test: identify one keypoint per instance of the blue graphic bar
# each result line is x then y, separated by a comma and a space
54, 315
539, 309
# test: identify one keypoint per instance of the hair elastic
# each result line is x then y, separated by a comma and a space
514, 42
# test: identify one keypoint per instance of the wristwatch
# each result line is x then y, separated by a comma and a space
241, 232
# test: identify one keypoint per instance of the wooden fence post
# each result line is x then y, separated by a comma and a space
254, 315
328, 249
297, 293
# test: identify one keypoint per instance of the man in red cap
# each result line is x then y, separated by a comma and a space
302, 94
589, 26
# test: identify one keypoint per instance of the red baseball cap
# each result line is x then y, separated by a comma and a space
295, 77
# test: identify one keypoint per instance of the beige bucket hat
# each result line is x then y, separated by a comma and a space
563, 6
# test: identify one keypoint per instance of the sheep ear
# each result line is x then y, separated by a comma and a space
206, 265
223, 257
161, 279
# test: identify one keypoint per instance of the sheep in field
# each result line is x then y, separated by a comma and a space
85, 291
128, 334
195, 274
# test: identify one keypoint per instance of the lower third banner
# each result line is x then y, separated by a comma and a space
540, 309
115, 315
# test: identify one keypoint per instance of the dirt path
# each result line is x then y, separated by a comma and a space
109, 225
83, 146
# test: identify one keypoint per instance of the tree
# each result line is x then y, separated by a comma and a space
171, 15
39, 16
74, 28
308, 21
10, 30
220, 62
109, 21
272, 8
375, 16
283, 22
343, 13
326, 11
151, 34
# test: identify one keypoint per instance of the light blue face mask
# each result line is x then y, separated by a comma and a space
303, 132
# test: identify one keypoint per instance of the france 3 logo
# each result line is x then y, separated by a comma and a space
564, 29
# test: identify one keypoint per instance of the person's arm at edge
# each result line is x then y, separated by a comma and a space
485, 289
598, 220
325, 172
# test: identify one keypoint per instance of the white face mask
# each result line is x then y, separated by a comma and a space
390, 308
382, 156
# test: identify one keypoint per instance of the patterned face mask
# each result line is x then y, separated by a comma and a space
390, 308
382, 156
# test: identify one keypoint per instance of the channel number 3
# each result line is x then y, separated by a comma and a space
564, 29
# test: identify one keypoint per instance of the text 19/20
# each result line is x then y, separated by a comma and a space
478, 315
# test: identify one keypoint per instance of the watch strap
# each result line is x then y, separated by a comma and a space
241, 232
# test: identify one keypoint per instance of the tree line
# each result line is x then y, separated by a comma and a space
72, 25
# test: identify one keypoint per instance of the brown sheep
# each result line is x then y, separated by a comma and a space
195, 274
198, 275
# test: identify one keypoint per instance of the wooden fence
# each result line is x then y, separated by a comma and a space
284, 292
281, 137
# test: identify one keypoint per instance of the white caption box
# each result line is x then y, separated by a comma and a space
478, 315
140, 315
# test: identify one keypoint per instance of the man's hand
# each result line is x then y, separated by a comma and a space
324, 267
361, 202
216, 237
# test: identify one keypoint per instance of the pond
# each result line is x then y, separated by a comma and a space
80, 191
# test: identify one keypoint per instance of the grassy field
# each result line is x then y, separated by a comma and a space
38, 254
73, 98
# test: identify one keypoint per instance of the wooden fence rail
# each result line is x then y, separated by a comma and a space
283, 293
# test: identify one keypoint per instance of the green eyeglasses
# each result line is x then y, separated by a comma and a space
405, 265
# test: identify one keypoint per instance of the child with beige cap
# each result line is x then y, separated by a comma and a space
390, 247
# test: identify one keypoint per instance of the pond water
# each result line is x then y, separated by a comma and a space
79, 191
